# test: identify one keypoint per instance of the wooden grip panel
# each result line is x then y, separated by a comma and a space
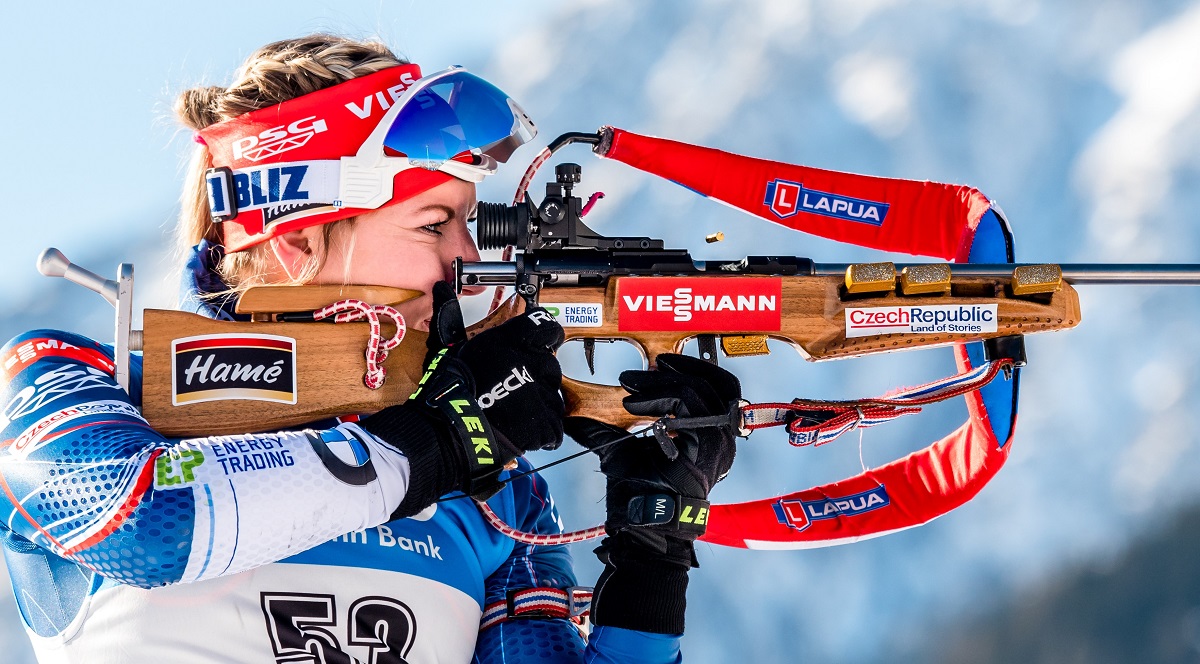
329, 369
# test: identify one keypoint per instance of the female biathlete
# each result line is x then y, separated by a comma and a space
333, 161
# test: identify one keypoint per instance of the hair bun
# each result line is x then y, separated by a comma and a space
197, 108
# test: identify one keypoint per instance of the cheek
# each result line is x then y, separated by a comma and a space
379, 264
416, 270
417, 312
419, 272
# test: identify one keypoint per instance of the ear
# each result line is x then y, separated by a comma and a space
294, 250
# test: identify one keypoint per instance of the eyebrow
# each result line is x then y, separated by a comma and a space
449, 211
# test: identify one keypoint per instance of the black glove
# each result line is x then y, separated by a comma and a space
517, 380
657, 505
442, 429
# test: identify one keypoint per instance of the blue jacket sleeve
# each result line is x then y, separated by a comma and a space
614, 645
83, 475
554, 641
528, 566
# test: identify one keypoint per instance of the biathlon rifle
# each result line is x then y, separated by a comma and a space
278, 369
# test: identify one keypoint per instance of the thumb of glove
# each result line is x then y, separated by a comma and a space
446, 328
543, 332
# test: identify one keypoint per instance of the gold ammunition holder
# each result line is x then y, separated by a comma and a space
870, 278
925, 279
1036, 279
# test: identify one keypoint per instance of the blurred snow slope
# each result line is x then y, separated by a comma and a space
1080, 118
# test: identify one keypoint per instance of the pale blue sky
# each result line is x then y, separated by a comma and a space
91, 153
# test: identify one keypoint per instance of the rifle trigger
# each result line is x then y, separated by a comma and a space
665, 443
707, 345
589, 353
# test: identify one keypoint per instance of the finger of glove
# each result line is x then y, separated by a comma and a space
661, 393
494, 361
724, 384
529, 433
446, 328
543, 414
535, 329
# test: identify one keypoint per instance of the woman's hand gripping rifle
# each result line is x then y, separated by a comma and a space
480, 403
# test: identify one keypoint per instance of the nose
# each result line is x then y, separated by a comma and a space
466, 248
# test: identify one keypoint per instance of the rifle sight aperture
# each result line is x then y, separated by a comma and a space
556, 223
499, 225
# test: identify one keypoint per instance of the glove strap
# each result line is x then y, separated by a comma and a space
449, 395
670, 511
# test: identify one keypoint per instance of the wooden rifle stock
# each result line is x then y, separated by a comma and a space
329, 360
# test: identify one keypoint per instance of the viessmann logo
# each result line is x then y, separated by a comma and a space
699, 304
218, 367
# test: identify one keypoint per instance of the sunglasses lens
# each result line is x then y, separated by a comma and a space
453, 115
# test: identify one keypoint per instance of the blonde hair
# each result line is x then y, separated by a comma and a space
273, 74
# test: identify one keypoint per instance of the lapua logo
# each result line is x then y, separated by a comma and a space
786, 198
799, 514
278, 139
699, 304
219, 367
382, 100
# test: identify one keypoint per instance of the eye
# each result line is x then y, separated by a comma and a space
435, 229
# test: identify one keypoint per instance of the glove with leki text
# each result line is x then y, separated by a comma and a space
450, 440
657, 493
517, 379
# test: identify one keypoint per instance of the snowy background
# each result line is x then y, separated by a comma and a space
1081, 118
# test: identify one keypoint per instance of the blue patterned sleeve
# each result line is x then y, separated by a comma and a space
554, 641
84, 476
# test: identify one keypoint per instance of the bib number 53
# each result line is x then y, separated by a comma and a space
304, 628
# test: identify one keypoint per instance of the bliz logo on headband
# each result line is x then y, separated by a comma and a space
277, 139
254, 188
284, 186
787, 198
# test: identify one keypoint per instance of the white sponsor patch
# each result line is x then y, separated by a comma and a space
923, 319
575, 314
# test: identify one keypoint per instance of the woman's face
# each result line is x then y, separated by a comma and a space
411, 244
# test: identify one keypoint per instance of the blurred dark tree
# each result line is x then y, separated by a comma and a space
1144, 608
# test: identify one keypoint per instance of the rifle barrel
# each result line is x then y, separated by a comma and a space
499, 273
1179, 274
